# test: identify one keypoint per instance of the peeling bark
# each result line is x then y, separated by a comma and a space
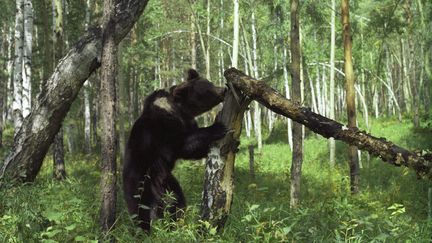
389, 152
218, 183
37, 132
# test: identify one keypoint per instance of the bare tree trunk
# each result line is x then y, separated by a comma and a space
421, 162
236, 34
59, 170
27, 57
108, 111
257, 108
350, 95
332, 144
17, 81
297, 156
39, 128
58, 33
87, 114
251, 161
287, 95
10, 72
193, 43
219, 176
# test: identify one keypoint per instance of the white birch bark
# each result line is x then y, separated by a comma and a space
87, 114
257, 108
27, 57
17, 81
236, 34
287, 95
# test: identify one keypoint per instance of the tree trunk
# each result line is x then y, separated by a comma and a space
257, 108
17, 81
39, 128
108, 111
87, 114
193, 43
350, 96
297, 156
332, 144
251, 161
58, 150
59, 170
27, 57
421, 162
236, 34
287, 95
10, 72
219, 175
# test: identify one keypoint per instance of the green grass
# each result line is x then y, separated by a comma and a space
392, 205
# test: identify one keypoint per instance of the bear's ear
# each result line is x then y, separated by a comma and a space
191, 74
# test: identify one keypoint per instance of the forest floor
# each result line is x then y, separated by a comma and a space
391, 207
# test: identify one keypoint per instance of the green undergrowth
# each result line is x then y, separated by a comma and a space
391, 207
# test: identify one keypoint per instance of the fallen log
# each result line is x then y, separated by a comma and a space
420, 162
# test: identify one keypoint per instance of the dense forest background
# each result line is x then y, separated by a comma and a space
391, 52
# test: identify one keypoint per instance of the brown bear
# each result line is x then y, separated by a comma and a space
167, 131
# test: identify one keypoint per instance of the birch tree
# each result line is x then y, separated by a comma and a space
257, 108
332, 144
27, 57
17, 112
87, 115
297, 155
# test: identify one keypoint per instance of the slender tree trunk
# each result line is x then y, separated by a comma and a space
59, 170
27, 57
257, 108
87, 114
287, 95
297, 158
10, 72
108, 111
350, 95
58, 33
207, 49
251, 161
17, 82
332, 144
412, 65
236, 34
39, 128
193, 43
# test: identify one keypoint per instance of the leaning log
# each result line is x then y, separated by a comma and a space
37, 132
389, 152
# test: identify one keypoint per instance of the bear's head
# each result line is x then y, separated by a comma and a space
197, 95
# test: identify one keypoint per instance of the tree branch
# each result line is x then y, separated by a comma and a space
386, 150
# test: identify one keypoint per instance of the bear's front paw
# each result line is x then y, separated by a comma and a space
218, 130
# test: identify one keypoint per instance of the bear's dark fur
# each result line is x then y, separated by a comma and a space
165, 132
